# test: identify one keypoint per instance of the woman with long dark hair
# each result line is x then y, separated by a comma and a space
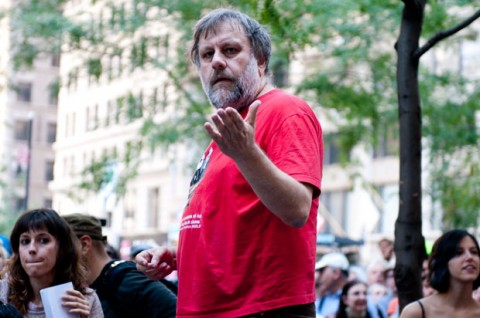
45, 254
353, 302
454, 272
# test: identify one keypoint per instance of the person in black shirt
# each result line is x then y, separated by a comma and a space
122, 289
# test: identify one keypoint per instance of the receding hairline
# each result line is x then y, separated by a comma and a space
213, 27
258, 37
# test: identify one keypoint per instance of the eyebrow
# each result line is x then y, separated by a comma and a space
223, 42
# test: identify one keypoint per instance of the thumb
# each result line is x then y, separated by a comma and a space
252, 112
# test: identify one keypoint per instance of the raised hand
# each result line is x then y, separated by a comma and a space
233, 134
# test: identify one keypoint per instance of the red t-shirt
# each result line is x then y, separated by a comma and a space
235, 257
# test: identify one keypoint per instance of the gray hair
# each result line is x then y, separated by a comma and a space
255, 32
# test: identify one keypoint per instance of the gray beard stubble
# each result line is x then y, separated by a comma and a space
243, 92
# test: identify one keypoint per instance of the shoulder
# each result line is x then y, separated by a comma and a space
4, 290
280, 99
413, 310
91, 295
95, 305
281, 110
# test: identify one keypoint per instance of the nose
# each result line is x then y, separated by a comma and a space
218, 61
468, 254
31, 248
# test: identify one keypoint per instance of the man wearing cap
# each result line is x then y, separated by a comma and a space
332, 272
123, 291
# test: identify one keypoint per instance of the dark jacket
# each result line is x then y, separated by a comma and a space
126, 292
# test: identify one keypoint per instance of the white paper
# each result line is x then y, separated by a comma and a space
52, 301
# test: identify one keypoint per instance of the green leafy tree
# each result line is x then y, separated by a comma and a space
409, 245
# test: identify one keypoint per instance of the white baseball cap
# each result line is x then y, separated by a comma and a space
336, 260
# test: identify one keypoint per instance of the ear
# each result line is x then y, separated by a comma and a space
261, 68
337, 272
85, 243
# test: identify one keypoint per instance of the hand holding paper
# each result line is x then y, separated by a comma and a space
52, 301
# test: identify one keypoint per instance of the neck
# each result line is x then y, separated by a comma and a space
95, 264
459, 295
335, 286
265, 87
37, 285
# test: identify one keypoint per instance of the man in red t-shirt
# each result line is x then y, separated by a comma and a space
248, 233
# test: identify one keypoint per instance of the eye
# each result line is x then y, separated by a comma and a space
24, 241
231, 51
44, 240
207, 55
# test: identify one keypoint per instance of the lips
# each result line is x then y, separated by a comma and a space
34, 261
221, 79
470, 268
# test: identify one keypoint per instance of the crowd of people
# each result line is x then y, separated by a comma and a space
348, 290
247, 241
450, 281
48, 249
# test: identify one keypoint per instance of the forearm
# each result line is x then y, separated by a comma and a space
284, 196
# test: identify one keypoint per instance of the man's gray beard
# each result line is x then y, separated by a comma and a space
243, 92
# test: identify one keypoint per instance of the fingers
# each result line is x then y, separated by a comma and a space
252, 113
229, 120
143, 258
211, 131
76, 302
156, 263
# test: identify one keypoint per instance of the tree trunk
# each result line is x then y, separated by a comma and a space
409, 242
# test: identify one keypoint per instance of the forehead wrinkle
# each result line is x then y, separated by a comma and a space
214, 28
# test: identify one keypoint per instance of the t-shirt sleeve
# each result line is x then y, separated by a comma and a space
296, 148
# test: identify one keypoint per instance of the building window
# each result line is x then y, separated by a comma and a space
67, 125
54, 88
72, 166
280, 73
109, 113
55, 60
331, 149
335, 203
154, 101
388, 144
153, 206
20, 204
73, 123
21, 130
47, 203
49, 170
119, 108
387, 207
24, 92
65, 166
165, 96
92, 118
87, 121
51, 132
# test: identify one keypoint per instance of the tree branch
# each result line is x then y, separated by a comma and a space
445, 34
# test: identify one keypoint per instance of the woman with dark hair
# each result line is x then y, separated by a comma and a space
45, 254
354, 304
454, 271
